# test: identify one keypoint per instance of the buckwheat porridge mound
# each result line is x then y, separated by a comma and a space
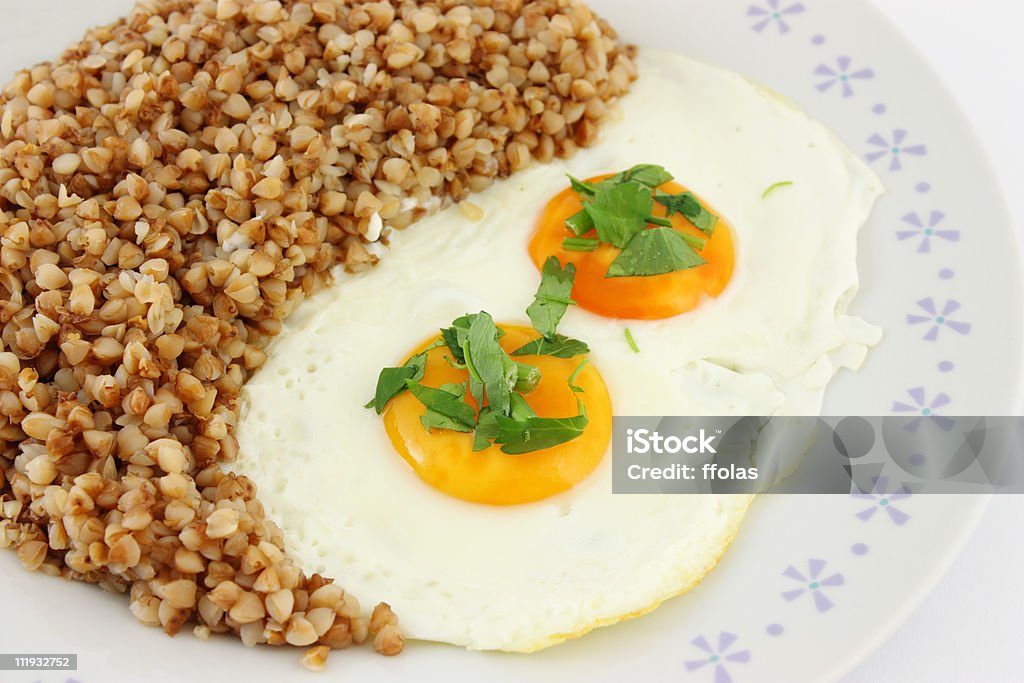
169, 190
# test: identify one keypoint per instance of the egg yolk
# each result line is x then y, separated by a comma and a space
642, 298
446, 461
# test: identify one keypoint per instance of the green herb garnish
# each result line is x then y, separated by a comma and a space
553, 298
486, 429
392, 381
498, 383
632, 342
583, 188
649, 175
580, 223
775, 186
619, 209
492, 374
454, 337
580, 244
655, 252
537, 433
691, 209
528, 433
575, 375
520, 409
660, 221
527, 378
558, 346
446, 406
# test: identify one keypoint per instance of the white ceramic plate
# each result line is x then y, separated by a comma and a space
812, 584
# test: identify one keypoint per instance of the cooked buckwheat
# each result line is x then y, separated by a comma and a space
169, 190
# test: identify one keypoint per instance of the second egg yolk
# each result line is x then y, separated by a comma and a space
446, 461
641, 298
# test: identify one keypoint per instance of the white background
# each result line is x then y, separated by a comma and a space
969, 629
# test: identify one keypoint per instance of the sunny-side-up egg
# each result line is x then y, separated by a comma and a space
493, 551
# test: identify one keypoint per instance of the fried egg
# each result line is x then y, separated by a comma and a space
517, 553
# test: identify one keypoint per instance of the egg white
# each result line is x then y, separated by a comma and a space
522, 577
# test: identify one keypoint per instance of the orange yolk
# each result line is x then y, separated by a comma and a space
642, 298
445, 459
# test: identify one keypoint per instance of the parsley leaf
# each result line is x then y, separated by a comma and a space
580, 244
691, 209
649, 175
446, 407
496, 381
620, 208
775, 186
558, 346
581, 187
654, 252
572, 382
530, 434
492, 374
520, 409
391, 381
632, 342
580, 223
527, 378
553, 296
486, 429
620, 211
451, 338
524, 432
455, 336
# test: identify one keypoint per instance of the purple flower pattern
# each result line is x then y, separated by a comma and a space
813, 583
841, 75
937, 318
718, 655
925, 408
930, 314
894, 148
926, 230
770, 12
882, 497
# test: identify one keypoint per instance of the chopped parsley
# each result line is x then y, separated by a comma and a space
455, 336
492, 374
527, 432
632, 342
775, 186
537, 433
580, 244
527, 378
558, 346
618, 211
575, 374
446, 406
648, 175
554, 296
580, 223
497, 382
655, 252
393, 381
582, 188
691, 209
